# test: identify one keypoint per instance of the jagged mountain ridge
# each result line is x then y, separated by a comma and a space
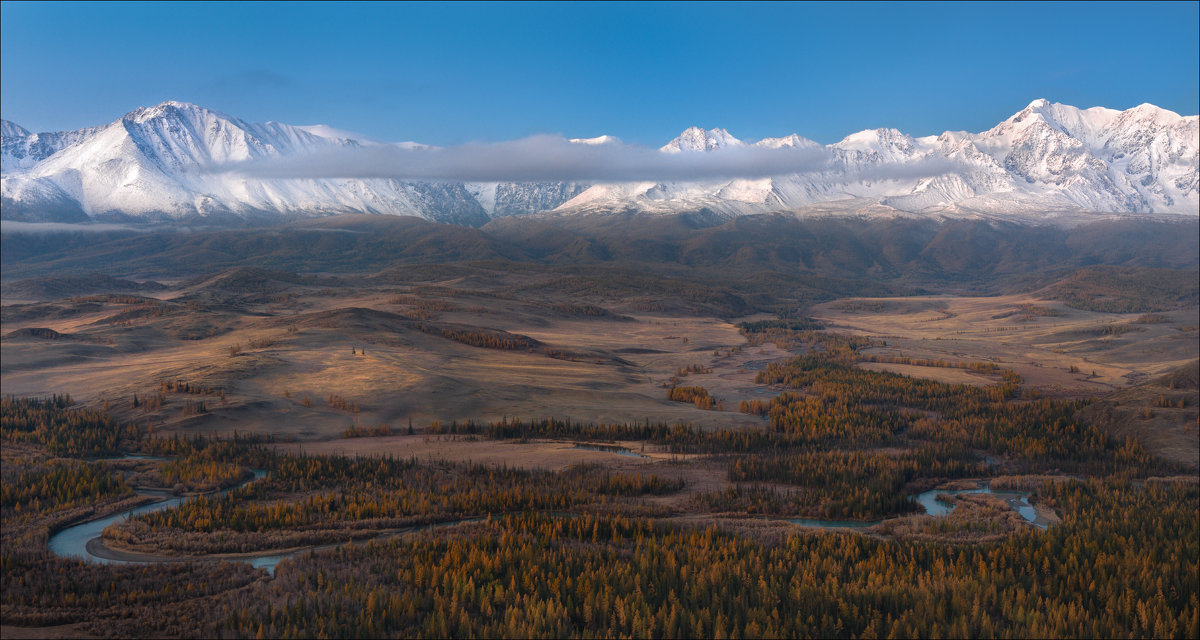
147, 166
1043, 161
1047, 159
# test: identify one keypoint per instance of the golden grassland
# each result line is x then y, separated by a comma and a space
1108, 350
941, 374
309, 364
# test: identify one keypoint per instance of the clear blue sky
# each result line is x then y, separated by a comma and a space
451, 73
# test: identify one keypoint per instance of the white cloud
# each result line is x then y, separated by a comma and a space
17, 226
545, 158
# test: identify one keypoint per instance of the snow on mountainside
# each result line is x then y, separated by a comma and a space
150, 165
1046, 160
697, 139
12, 130
597, 140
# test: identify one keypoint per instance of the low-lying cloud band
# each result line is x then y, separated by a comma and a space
547, 158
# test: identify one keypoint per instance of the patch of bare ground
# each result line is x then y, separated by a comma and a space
277, 365
729, 374
960, 485
1173, 480
701, 474
1163, 414
532, 454
1058, 350
941, 374
1045, 515
1026, 482
77, 630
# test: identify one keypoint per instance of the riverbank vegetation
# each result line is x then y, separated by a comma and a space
323, 499
654, 550
1107, 571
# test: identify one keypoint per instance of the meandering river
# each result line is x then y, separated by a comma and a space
83, 541
1017, 500
80, 541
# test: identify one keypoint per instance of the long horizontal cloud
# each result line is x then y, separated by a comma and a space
547, 158
18, 226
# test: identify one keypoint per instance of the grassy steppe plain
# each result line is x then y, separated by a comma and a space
265, 361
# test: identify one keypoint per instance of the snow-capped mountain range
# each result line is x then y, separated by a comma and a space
1048, 160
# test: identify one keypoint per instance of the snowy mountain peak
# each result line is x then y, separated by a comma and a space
172, 109
1045, 160
9, 129
605, 139
877, 140
790, 141
1041, 106
868, 137
698, 139
1082, 124
1151, 113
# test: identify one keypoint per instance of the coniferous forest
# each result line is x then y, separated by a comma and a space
590, 429
600, 320
391, 546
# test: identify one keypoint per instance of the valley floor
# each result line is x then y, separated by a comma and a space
464, 456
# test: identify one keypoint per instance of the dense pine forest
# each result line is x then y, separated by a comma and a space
392, 546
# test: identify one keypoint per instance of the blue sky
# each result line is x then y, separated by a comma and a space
453, 73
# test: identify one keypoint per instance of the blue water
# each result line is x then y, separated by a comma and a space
72, 541
135, 456
269, 562
1018, 500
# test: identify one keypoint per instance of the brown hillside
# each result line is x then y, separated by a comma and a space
1162, 414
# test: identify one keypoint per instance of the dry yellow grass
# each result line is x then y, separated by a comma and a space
1043, 349
941, 374
400, 377
617, 372
699, 473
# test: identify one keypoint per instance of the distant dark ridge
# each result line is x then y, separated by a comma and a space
918, 252
254, 280
371, 325
38, 332
1112, 289
67, 286
580, 310
367, 321
480, 337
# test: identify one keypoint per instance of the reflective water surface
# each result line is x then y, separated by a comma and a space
1017, 500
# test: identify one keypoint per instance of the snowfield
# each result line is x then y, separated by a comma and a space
1047, 162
